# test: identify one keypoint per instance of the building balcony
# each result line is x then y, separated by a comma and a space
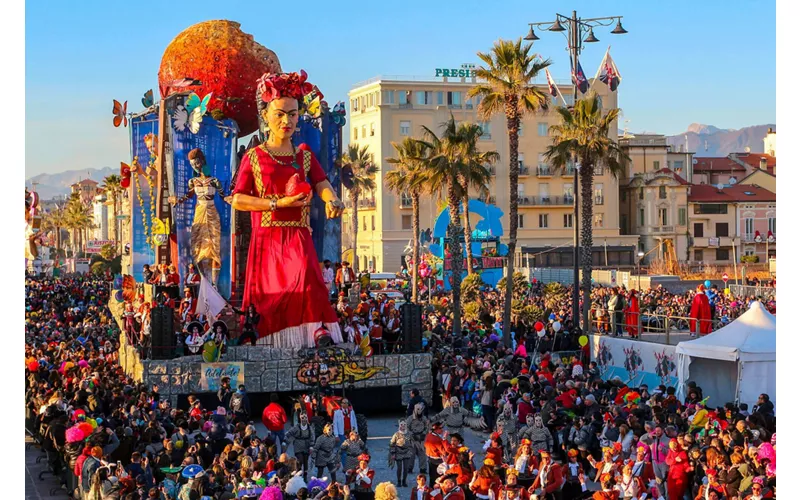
713, 242
662, 229
405, 202
524, 171
407, 105
599, 199
361, 204
545, 201
544, 171
568, 171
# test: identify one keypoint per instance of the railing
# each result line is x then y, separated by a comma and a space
405, 202
758, 291
407, 105
568, 171
524, 170
598, 199
657, 328
532, 201
663, 229
361, 204
544, 171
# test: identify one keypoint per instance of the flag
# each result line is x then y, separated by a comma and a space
579, 77
608, 72
554, 90
209, 301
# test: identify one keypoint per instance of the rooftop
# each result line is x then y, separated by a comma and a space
716, 164
733, 194
754, 160
85, 182
419, 79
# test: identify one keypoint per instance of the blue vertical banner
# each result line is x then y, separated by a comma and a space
141, 251
217, 140
323, 137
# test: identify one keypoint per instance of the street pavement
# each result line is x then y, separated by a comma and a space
34, 488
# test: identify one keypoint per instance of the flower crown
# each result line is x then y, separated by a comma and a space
273, 86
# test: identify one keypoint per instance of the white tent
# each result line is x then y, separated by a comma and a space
734, 363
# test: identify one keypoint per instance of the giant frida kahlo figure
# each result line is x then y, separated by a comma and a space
283, 278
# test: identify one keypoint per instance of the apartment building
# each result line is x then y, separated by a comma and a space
383, 110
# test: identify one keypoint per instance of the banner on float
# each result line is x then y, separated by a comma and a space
217, 141
141, 204
96, 246
635, 362
211, 374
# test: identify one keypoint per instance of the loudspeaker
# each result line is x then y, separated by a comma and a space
162, 332
411, 323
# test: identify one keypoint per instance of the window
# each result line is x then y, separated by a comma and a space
771, 225
406, 222
355, 133
623, 196
373, 222
468, 103
544, 190
403, 97
388, 96
662, 216
723, 254
542, 127
698, 229
454, 99
521, 160
711, 208
656, 165
521, 190
598, 194
543, 220
486, 128
370, 100
681, 216
521, 129
698, 255
363, 131
623, 223
372, 129
568, 98
354, 104
662, 192
567, 190
567, 220
364, 223
722, 229
440, 98
641, 217
424, 98
749, 251
598, 220
677, 165
598, 170
521, 219
405, 127
748, 228
641, 193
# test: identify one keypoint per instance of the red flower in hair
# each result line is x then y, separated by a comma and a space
274, 86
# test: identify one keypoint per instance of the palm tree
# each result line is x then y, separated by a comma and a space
478, 176
450, 168
112, 185
409, 177
54, 221
362, 164
508, 76
585, 133
79, 220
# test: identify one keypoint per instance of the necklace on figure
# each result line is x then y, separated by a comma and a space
292, 163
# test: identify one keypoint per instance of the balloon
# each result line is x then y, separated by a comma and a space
540, 333
538, 326
552, 316
583, 340
708, 283
556, 326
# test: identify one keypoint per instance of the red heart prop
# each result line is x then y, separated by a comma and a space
296, 186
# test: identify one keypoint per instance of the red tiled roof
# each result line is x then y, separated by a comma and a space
733, 194
754, 160
723, 164
677, 177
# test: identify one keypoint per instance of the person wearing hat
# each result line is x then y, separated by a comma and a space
512, 490
435, 449
376, 333
572, 472
362, 476
757, 490
224, 392
642, 468
324, 453
447, 489
607, 491
485, 482
700, 313
712, 489
548, 481
345, 277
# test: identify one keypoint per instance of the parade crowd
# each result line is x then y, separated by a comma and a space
552, 430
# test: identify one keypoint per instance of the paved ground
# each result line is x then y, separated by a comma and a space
34, 488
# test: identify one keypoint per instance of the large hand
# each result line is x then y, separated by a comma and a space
334, 208
172, 200
294, 201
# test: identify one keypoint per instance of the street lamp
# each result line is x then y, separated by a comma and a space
638, 272
577, 32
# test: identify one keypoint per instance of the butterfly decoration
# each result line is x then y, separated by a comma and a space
125, 174
147, 100
339, 113
120, 113
191, 115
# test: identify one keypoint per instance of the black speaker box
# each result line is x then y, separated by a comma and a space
411, 323
162, 332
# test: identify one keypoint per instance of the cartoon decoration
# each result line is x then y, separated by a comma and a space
125, 174
120, 113
665, 365
633, 360
314, 104
339, 113
151, 141
333, 366
147, 100
190, 115
218, 57
160, 232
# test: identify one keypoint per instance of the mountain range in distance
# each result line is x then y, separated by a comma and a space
704, 140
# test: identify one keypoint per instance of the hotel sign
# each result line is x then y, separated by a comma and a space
466, 71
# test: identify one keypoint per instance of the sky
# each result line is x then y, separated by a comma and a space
681, 62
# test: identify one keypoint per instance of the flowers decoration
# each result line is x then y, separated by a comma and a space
273, 86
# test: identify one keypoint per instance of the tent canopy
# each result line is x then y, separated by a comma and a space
751, 337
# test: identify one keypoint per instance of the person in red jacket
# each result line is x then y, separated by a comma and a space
700, 313
435, 449
548, 482
485, 482
678, 474
421, 491
632, 315
274, 419
363, 478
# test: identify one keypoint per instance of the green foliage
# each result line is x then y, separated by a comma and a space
521, 285
472, 311
749, 259
107, 252
554, 295
532, 314
99, 267
470, 288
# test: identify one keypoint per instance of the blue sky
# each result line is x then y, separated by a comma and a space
711, 62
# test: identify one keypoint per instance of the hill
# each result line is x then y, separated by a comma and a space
708, 140
53, 185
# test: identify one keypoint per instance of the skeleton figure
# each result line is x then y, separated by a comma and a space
418, 426
510, 433
455, 418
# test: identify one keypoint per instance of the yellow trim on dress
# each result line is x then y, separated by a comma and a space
266, 216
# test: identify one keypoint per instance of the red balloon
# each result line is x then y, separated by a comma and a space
33, 366
538, 326
296, 186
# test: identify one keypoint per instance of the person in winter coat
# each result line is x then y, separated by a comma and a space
401, 453
324, 453
90, 466
541, 439
353, 447
303, 437
418, 426
700, 313
678, 474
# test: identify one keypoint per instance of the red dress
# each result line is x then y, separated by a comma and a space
283, 278
701, 311
678, 474
632, 316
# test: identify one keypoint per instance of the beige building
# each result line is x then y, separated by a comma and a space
770, 146
383, 110
654, 196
